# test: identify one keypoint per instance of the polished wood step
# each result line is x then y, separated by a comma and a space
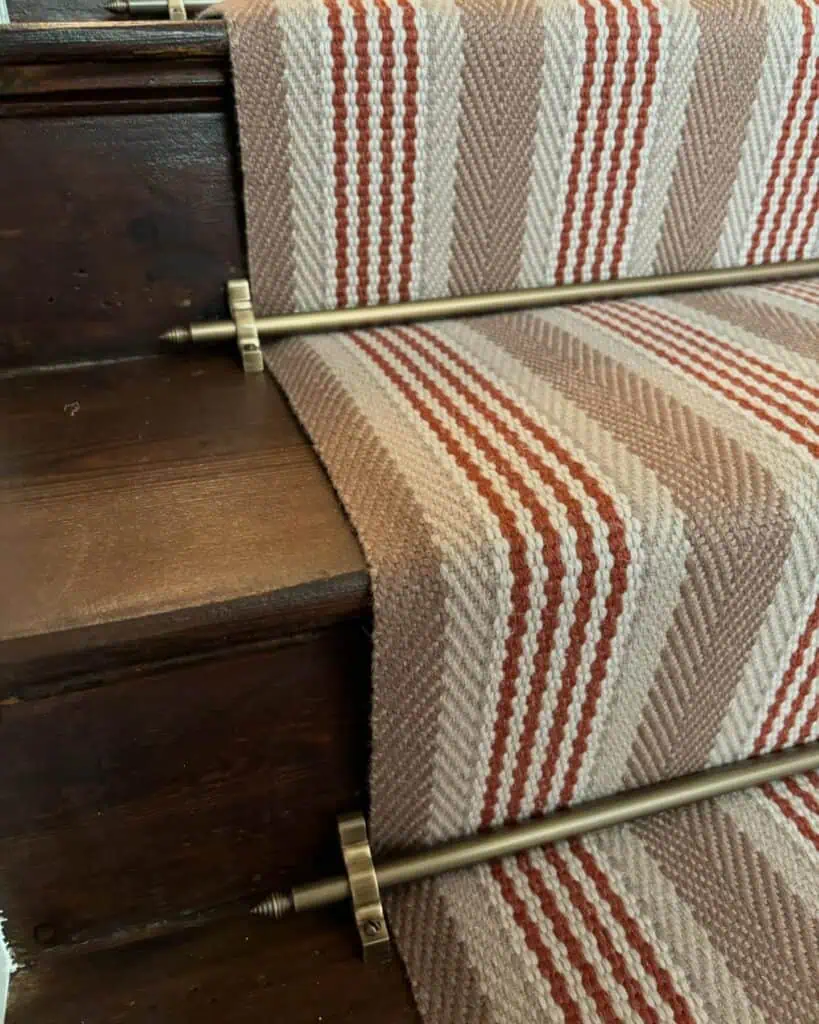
301, 971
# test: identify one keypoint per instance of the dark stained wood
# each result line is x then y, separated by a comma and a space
120, 212
301, 971
156, 509
136, 41
184, 654
112, 229
188, 790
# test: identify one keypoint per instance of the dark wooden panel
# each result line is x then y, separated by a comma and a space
155, 509
295, 972
139, 803
111, 230
120, 40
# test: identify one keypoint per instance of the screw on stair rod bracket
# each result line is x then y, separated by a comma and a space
564, 824
492, 302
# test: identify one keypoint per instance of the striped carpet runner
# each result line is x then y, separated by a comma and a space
593, 531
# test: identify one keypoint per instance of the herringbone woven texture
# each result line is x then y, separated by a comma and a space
593, 531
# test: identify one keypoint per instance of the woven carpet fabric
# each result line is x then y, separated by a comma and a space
593, 540
398, 149
592, 531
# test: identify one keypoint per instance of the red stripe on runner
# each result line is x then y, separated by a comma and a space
662, 352
340, 139
410, 139
798, 702
387, 152
790, 812
798, 147
807, 227
614, 601
665, 983
808, 178
810, 722
362, 102
602, 937
545, 961
627, 91
713, 341
612, 39
564, 933
654, 33
782, 145
794, 665
808, 799
556, 573
629, 314
579, 136
521, 574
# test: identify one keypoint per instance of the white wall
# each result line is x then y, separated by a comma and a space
6, 968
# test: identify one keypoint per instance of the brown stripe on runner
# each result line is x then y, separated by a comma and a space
503, 54
714, 481
746, 308
261, 109
716, 120
743, 904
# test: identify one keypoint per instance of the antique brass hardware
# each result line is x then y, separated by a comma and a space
492, 302
364, 892
241, 309
176, 10
565, 824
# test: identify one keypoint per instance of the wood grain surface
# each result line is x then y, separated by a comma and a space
302, 971
155, 509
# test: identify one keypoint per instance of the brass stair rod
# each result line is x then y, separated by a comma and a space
155, 8
493, 302
565, 824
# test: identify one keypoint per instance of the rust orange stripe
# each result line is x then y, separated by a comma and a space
619, 141
606, 90
564, 933
796, 92
647, 98
614, 601
387, 154
665, 983
340, 140
531, 933
362, 103
410, 143
602, 937
592, 36
787, 679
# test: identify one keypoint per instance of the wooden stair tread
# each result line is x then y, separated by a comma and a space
306, 969
170, 502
